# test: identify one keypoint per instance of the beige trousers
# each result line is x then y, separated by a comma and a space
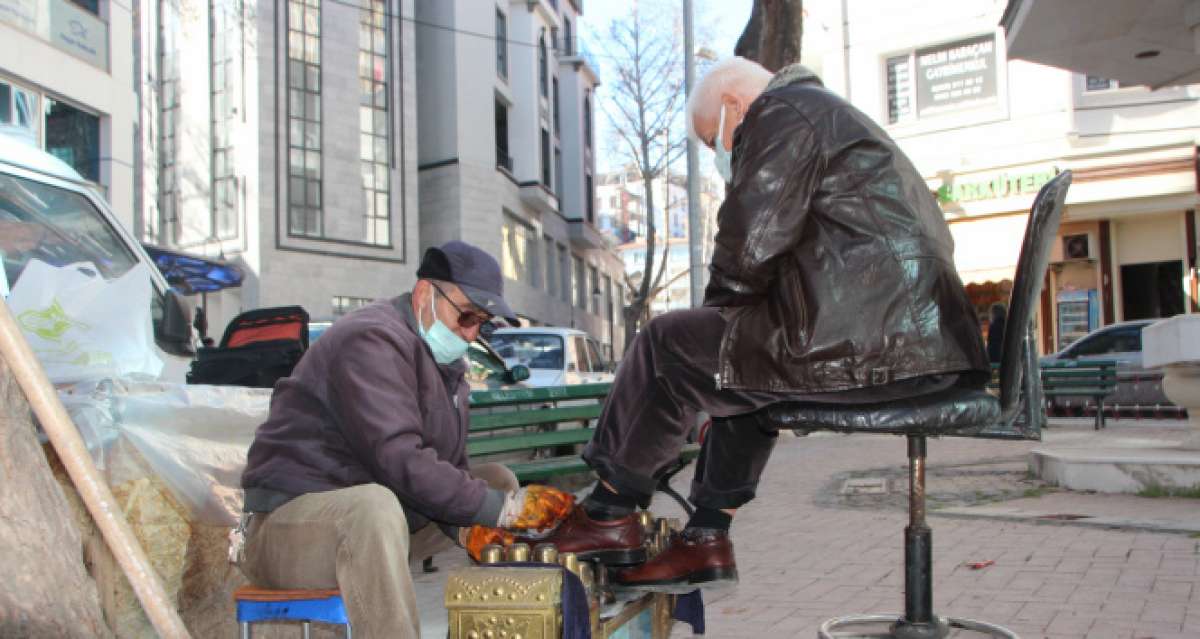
355, 539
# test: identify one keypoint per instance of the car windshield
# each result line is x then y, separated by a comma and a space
534, 350
56, 226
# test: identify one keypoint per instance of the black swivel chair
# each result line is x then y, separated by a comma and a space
958, 412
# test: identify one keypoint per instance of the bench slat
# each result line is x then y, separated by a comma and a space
527, 441
504, 397
498, 421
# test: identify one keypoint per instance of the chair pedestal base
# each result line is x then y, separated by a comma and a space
897, 628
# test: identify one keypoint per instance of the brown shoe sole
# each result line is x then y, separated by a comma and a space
625, 557
705, 578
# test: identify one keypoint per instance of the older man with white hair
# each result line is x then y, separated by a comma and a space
832, 281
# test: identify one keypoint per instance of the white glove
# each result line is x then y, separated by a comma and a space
514, 505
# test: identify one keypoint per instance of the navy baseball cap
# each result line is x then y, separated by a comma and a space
474, 272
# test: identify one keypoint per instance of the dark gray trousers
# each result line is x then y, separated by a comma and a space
666, 378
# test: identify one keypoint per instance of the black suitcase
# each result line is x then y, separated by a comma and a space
258, 348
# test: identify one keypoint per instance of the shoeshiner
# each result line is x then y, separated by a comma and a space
365, 446
832, 280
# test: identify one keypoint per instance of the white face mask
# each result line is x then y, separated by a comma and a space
723, 160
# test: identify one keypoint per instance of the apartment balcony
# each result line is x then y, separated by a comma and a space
576, 54
539, 197
584, 234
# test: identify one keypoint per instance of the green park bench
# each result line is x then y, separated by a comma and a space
543, 427
1094, 379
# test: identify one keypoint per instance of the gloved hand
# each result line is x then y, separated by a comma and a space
535, 507
476, 537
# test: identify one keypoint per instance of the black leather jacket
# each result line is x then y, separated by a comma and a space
832, 258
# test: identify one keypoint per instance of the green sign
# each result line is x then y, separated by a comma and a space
1000, 186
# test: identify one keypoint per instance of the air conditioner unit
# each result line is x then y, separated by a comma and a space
1077, 247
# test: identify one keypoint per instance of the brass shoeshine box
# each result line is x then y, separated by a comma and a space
487, 602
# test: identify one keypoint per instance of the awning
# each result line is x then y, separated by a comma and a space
1152, 42
190, 274
986, 249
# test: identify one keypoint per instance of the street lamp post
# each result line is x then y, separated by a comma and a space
695, 227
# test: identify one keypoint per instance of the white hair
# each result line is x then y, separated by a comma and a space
736, 75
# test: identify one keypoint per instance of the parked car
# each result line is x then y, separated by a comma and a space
555, 356
50, 213
1120, 343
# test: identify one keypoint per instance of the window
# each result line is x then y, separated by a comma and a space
899, 89
608, 298
501, 44
92, 6
558, 173
343, 304
568, 41
593, 290
225, 38
533, 350
374, 126
502, 157
551, 259
19, 108
304, 118
554, 107
543, 67
579, 284
564, 274
589, 198
1097, 83
597, 360
545, 158
167, 225
587, 121
73, 136
518, 254
942, 78
581, 354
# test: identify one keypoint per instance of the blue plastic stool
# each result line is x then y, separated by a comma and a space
306, 606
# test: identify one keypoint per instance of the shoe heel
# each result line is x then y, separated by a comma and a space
714, 576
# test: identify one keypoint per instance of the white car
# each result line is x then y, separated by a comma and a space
554, 356
48, 212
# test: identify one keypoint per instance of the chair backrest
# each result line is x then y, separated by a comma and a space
1040, 234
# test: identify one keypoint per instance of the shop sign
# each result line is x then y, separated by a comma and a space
956, 75
62, 24
1001, 186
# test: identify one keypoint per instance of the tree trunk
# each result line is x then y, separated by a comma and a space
772, 36
44, 589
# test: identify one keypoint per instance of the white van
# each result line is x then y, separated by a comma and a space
49, 212
555, 356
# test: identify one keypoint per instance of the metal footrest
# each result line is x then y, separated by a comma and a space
842, 626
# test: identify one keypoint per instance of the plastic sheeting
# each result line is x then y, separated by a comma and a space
191, 438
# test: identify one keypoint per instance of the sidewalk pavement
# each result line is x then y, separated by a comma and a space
1129, 568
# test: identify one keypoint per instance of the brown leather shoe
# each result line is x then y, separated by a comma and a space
618, 542
695, 557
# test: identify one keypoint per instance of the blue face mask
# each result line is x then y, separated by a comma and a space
723, 160
447, 347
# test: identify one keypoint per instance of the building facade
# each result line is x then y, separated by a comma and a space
66, 78
507, 155
987, 132
281, 136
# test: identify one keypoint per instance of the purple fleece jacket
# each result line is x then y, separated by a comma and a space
368, 404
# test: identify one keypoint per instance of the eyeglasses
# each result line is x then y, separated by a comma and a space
466, 319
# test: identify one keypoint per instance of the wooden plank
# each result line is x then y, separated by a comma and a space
510, 396
527, 441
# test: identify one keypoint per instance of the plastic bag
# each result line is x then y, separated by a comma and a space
81, 326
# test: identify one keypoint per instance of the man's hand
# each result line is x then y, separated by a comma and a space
476, 537
535, 507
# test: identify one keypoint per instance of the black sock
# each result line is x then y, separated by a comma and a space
710, 518
604, 504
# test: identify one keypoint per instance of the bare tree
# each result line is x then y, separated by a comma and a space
773, 34
645, 108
